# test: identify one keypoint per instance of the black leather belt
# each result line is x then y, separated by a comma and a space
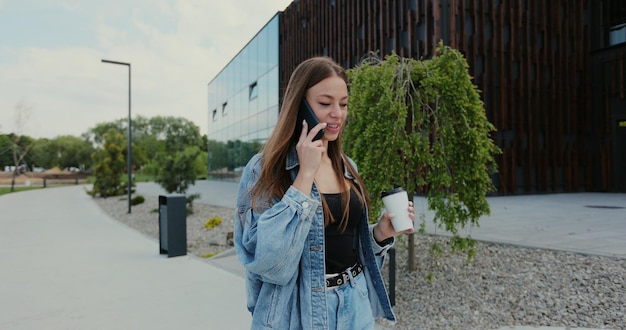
344, 276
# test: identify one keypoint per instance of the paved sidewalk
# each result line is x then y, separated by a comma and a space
593, 223
68, 265
589, 223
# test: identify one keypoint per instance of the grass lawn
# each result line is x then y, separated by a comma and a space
7, 190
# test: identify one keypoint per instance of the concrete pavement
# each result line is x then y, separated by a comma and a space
67, 265
593, 223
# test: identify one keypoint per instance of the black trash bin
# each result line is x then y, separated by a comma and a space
173, 225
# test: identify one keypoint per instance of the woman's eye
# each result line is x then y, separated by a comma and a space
344, 105
324, 104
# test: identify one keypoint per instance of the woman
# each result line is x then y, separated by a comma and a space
312, 260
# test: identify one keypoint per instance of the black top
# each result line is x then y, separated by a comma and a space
341, 247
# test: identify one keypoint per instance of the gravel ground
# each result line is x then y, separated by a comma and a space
503, 285
200, 240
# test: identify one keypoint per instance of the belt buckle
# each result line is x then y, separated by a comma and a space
344, 276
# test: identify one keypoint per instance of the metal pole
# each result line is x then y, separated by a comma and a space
392, 276
130, 138
129, 153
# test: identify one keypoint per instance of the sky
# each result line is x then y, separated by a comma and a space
52, 79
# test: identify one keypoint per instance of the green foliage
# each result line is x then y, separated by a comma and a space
109, 165
189, 201
225, 157
62, 151
150, 137
144, 148
212, 223
424, 122
177, 170
137, 200
6, 150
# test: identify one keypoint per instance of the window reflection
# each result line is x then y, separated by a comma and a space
246, 91
617, 34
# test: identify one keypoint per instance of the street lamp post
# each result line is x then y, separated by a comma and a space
128, 156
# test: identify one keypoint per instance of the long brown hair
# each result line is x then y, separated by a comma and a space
274, 179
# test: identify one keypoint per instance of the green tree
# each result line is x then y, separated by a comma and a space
178, 172
217, 156
201, 164
63, 151
109, 164
6, 148
145, 150
178, 133
96, 134
43, 154
179, 154
430, 132
151, 136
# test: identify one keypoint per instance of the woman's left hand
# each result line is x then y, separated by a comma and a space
384, 228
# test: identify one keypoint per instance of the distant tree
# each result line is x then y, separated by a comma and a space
63, 151
204, 144
21, 144
96, 134
178, 172
41, 154
217, 155
179, 133
200, 165
6, 150
109, 165
145, 149
151, 136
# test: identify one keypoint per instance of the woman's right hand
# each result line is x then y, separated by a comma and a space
309, 155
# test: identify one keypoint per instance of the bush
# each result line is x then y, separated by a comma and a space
137, 200
212, 223
189, 201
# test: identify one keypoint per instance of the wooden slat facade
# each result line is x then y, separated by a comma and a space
535, 61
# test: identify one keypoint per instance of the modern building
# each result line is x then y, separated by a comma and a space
552, 76
244, 103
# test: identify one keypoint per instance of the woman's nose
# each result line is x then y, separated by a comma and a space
336, 110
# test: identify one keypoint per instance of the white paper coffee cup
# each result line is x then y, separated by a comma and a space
397, 203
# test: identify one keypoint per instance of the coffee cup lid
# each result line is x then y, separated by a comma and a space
391, 192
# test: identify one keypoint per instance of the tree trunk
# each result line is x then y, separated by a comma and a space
13, 182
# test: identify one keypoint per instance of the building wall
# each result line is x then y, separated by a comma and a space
534, 61
243, 104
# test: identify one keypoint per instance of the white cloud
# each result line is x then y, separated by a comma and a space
175, 48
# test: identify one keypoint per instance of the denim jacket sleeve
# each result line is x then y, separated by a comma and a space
270, 243
379, 250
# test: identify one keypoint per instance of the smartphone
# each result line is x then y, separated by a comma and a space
306, 113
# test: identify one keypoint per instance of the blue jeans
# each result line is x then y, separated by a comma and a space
348, 305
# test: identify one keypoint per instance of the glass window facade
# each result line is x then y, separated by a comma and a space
243, 105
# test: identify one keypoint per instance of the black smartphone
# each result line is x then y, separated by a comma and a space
306, 113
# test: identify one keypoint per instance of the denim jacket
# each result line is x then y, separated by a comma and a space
282, 249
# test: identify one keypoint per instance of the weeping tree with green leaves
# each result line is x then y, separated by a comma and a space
422, 125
